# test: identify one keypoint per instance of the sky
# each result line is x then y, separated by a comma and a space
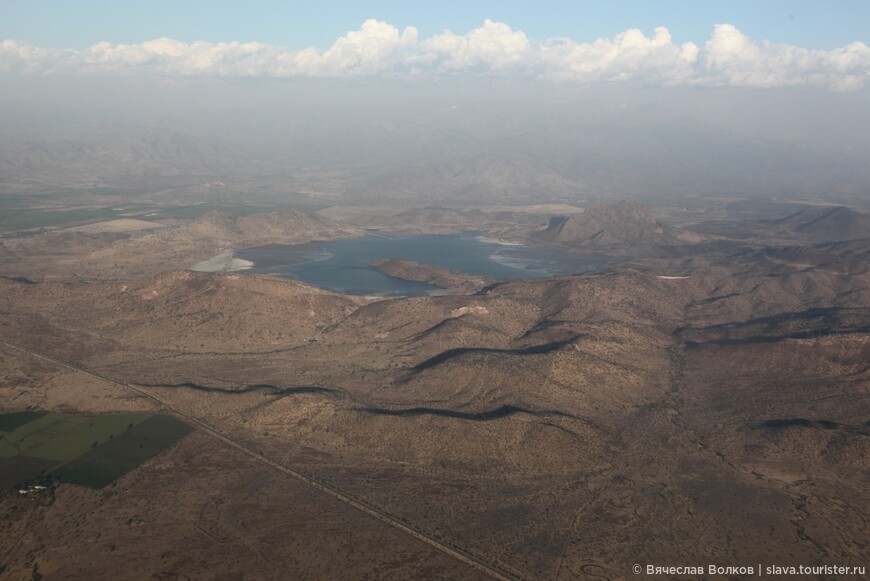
62, 24
735, 43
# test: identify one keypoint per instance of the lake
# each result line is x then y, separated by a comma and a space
342, 265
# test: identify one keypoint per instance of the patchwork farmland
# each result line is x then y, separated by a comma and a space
91, 450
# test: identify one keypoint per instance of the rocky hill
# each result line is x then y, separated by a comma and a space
620, 227
437, 275
823, 224
282, 225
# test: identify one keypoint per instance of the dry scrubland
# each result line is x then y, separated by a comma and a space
204, 510
563, 428
94, 252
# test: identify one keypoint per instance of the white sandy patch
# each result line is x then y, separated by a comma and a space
237, 264
113, 226
223, 262
671, 277
500, 242
475, 310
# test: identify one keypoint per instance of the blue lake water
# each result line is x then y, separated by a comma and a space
342, 265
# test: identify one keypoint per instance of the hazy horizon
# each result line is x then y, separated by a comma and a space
404, 138
487, 115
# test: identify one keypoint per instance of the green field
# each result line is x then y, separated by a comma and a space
105, 463
197, 210
92, 450
9, 422
22, 212
22, 219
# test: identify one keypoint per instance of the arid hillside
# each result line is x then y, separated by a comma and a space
703, 398
137, 252
824, 224
552, 426
623, 228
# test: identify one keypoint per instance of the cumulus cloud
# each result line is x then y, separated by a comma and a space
493, 46
728, 58
372, 49
629, 55
15, 55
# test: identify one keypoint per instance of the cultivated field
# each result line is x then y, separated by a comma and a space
92, 450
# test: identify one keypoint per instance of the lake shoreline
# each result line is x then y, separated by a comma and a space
346, 266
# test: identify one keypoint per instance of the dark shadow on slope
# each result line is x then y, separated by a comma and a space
489, 287
19, 279
829, 425
548, 325
441, 325
452, 353
268, 389
815, 333
800, 422
809, 324
497, 413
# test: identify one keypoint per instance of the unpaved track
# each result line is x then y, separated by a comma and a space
495, 570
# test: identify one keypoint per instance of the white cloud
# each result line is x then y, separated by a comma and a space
15, 55
629, 55
494, 46
728, 58
372, 49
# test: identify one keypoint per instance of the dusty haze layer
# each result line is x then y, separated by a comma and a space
455, 140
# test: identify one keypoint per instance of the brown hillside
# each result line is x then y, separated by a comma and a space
627, 223
820, 224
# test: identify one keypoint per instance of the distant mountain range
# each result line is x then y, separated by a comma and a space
442, 147
824, 224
